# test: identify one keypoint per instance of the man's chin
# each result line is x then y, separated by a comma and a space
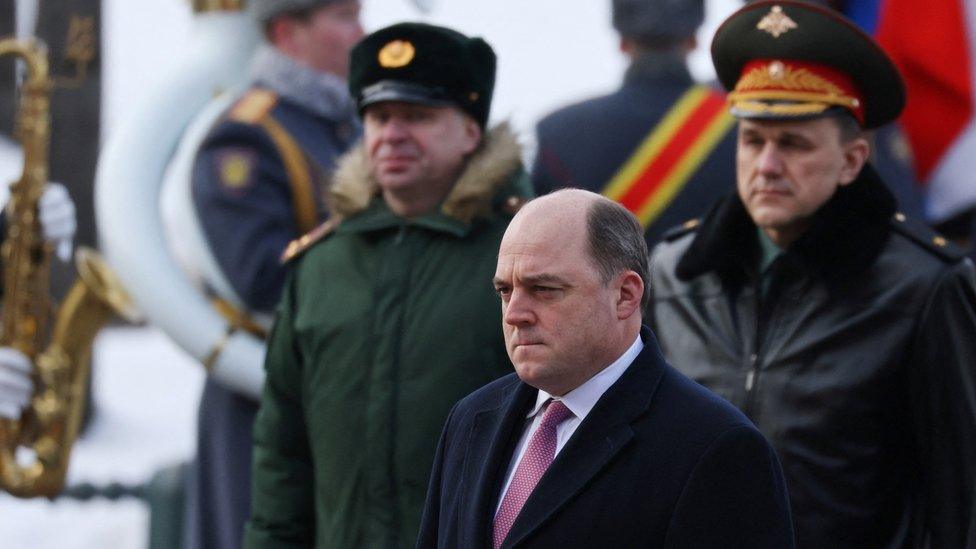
770, 218
530, 371
394, 179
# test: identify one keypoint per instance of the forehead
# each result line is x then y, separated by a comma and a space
543, 242
394, 108
813, 128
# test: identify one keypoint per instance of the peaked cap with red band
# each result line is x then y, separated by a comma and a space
793, 60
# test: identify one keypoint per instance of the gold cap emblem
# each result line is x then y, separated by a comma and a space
396, 54
776, 22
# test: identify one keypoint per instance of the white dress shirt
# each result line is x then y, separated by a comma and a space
579, 401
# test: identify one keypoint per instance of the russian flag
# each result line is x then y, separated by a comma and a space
932, 43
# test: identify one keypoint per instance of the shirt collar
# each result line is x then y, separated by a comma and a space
770, 251
583, 398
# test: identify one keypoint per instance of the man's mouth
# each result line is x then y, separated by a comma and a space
773, 187
395, 163
770, 192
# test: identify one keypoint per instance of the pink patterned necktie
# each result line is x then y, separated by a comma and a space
536, 459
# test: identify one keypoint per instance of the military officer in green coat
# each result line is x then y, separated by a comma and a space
389, 315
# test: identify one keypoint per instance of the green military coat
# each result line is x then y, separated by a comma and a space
384, 324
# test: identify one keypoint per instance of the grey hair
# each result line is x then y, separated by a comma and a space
850, 128
616, 243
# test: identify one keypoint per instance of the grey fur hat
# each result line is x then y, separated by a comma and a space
263, 10
658, 23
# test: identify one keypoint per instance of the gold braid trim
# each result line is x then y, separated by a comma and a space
299, 175
203, 6
792, 81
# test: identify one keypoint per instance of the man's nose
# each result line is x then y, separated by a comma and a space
394, 130
517, 311
770, 163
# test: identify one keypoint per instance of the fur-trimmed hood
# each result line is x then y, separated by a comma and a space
845, 236
489, 169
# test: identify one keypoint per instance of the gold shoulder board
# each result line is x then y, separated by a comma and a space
254, 106
299, 245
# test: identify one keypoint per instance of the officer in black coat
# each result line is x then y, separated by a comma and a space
844, 329
607, 144
259, 182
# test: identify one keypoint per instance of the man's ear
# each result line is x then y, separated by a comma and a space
856, 152
630, 292
281, 34
472, 134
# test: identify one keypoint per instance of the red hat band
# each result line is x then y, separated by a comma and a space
774, 87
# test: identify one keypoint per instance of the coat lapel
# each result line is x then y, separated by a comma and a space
493, 437
604, 432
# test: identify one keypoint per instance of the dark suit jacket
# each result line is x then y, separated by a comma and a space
658, 462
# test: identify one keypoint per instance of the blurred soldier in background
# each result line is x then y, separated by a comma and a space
843, 328
385, 321
258, 182
661, 144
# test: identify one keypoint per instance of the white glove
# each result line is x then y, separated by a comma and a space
16, 387
57, 213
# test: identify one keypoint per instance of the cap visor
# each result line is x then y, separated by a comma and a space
761, 110
406, 93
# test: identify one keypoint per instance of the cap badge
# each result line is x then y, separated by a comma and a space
776, 22
777, 70
396, 54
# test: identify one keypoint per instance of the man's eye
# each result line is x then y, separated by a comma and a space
503, 290
795, 144
543, 289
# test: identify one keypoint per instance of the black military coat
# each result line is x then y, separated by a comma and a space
858, 362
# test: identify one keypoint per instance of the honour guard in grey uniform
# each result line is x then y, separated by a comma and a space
258, 182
